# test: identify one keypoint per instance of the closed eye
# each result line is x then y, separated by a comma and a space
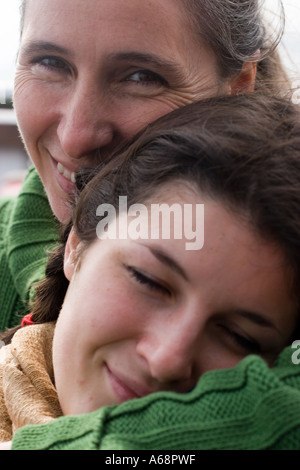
148, 281
250, 345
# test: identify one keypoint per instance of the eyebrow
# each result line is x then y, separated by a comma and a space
165, 259
36, 47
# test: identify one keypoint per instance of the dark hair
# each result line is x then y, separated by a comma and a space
243, 151
235, 30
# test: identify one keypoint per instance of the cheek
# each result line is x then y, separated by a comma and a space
133, 115
33, 107
66, 365
114, 318
103, 315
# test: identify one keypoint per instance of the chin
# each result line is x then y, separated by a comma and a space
60, 209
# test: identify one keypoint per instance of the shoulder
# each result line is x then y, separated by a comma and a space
31, 347
32, 201
30, 342
34, 336
6, 209
32, 190
32, 183
6, 204
33, 339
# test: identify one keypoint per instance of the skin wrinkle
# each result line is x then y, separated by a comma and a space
97, 99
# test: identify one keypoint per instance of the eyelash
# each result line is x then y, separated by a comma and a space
147, 281
249, 345
60, 64
57, 64
154, 78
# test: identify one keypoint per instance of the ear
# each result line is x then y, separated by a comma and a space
245, 81
70, 255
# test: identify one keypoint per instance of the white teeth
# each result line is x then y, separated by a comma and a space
60, 168
67, 174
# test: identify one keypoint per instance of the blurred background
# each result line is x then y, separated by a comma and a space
13, 159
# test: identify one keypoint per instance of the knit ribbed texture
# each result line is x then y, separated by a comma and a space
27, 392
27, 231
249, 407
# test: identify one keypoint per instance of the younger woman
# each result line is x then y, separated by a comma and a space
132, 311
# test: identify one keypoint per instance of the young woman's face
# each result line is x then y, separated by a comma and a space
91, 74
142, 316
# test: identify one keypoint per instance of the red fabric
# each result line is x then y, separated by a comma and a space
27, 320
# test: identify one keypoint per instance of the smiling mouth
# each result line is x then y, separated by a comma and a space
123, 391
71, 176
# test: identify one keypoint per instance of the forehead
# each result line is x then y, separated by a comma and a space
115, 16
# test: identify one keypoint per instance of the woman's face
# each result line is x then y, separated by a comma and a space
92, 74
142, 316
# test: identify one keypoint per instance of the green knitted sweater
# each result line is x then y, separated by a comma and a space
248, 407
27, 231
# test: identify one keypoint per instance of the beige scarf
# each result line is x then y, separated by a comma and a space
27, 392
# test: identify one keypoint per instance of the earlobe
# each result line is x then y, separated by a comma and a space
70, 256
245, 81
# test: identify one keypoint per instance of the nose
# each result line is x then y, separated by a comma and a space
172, 353
84, 126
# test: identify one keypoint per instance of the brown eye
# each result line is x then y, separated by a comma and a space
51, 63
145, 77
